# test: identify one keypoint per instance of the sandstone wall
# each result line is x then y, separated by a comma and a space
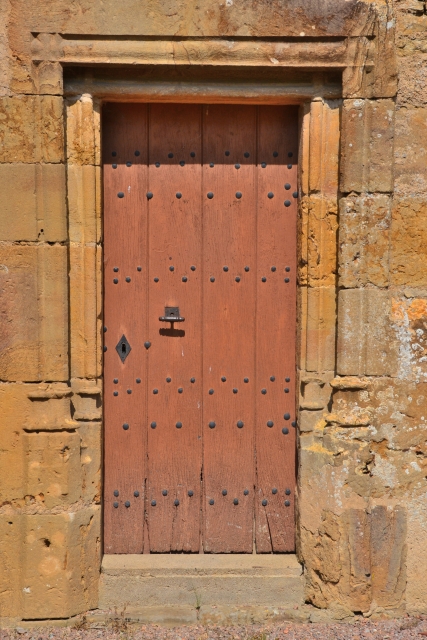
362, 523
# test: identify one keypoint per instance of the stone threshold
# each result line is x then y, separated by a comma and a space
175, 589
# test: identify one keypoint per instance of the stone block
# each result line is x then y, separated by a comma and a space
410, 152
408, 242
409, 323
85, 311
60, 563
364, 239
48, 78
367, 146
90, 460
11, 539
201, 580
324, 147
84, 203
416, 563
319, 225
365, 344
318, 320
308, 419
32, 129
52, 467
83, 131
32, 200
87, 399
34, 312
388, 555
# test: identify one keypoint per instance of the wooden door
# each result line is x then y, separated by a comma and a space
200, 209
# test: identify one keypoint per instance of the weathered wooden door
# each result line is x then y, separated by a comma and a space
200, 209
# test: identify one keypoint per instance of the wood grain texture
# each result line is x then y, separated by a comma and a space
125, 234
211, 436
175, 238
229, 233
276, 328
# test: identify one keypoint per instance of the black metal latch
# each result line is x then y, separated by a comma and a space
171, 315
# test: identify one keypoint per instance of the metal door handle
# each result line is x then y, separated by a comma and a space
171, 315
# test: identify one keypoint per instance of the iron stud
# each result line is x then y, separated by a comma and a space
263, 165
212, 425
164, 492
225, 268
116, 493
274, 491
273, 269
147, 344
115, 393
246, 154
178, 425
288, 492
238, 194
246, 269
275, 154
193, 268
178, 195
287, 379
168, 379
287, 186
137, 153
240, 424
176, 503
263, 279
246, 492
211, 392
180, 390
149, 195
182, 163
105, 348
115, 269
116, 380
136, 494
237, 278
155, 391
286, 280
190, 493
264, 503
263, 391
171, 268
184, 278
285, 431
227, 153
156, 279
270, 423
294, 424
246, 380
211, 501
115, 280
287, 503
295, 194
287, 203
193, 380
237, 166
270, 195
212, 279
235, 390
192, 154
153, 503
115, 505
125, 426
120, 194
114, 165
138, 381
224, 492
127, 279
157, 164
235, 501
223, 378
139, 268
290, 154
170, 155
287, 269
153, 425
114, 153
211, 165
289, 166
127, 504
287, 416
210, 195
272, 378
129, 391
286, 390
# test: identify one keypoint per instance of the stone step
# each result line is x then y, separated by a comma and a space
185, 587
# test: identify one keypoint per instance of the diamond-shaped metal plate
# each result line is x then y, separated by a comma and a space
123, 348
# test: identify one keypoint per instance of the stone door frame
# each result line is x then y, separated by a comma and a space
342, 139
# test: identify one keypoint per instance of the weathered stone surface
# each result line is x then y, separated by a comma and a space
364, 240
36, 210
410, 152
90, 460
84, 203
33, 283
318, 318
408, 242
83, 131
365, 344
367, 146
31, 129
318, 240
409, 322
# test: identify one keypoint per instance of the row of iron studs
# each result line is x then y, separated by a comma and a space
211, 164
210, 195
212, 278
240, 424
211, 501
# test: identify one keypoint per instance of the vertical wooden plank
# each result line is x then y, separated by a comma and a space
174, 376
276, 328
229, 228
125, 221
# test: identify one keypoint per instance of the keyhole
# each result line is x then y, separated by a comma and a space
123, 347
